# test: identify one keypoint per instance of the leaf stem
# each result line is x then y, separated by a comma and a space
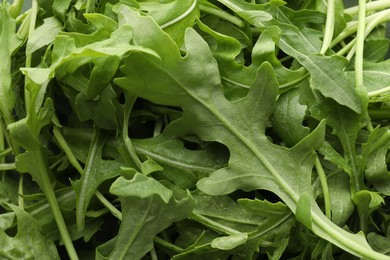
7, 166
372, 22
222, 14
68, 152
371, 6
33, 19
114, 211
379, 92
213, 224
181, 16
167, 245
153, 254
329, 26
20, 192
324, 185
74, 162
129, 103
47, 189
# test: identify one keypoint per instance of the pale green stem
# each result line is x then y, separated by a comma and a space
371, 6
360, 36
37, 156
5, 152
222, 14
65, 147
153, 254
379, 19
21, 192
325, 189
213, 224
15, 8
2, 142
379, 92
371, 21
7, 166
129, 103
114, 211
33, 19
329, 26
168, 245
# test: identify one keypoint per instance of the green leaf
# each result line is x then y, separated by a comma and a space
376, 75
340, 198
377, 172
173, 16
326, 72
229, 242
366, 202
379, 243
254, 14
300, 18
100, 58
96, 171
346, 125
375, 49
182, 167
145, 214
288, 117
239, 125
140, 186
43, 35
60, 8
331, 155
29, 242
9, 43
303, 213
101, 110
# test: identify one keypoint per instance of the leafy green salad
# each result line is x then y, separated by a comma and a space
194, 129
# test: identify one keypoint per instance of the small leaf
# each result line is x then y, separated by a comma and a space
43, 35
29, 242
229, 242
288, 117
96, 171
145, 214
141, 187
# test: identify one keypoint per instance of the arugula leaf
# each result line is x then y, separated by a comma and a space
95, 172
143, 223
29, 242
210, 129
10, 42
173, 16
176, 88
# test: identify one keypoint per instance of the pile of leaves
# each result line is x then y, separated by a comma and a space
194, 129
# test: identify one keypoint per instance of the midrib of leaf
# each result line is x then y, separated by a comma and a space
341, 240
69, 195
350, 152
299, 31
345, 242
84, 184
251, 147
269, 229
238, 220
135, 233
180, 17
300, 56
169, 161
235, 82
